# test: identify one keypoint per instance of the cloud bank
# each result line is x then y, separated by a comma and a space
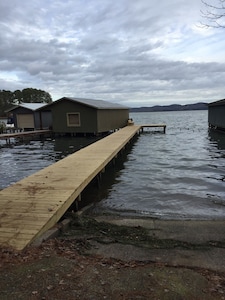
138, 53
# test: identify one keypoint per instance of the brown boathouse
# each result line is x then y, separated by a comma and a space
26, 116
75, 115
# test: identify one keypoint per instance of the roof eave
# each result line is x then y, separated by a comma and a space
79, 100
217, 103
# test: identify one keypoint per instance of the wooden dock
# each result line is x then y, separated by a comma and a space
163, 126
22, 134
33, 205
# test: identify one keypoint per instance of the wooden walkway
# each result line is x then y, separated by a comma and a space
33, 205
163, 126
8, 136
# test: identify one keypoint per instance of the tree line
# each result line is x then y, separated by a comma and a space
28, 95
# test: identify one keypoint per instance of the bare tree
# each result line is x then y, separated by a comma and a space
214, 14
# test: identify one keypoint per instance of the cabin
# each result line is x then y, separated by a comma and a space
26, 116
216, 115
86, 116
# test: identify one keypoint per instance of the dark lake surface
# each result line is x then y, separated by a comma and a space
177, 175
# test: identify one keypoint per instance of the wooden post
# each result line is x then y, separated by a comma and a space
99, 177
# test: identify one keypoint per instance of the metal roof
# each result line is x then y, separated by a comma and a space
30, 106
98, 104
219, 102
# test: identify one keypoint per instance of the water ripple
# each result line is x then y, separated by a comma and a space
177, 175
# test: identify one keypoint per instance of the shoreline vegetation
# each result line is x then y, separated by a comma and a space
172, 107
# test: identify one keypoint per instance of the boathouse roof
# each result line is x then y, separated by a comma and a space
98, 104
219, 102
30, 106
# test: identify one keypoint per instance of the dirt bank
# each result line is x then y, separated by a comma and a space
109, 257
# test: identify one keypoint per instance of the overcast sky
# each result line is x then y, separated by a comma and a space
137, 53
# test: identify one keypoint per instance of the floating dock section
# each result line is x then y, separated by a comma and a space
33, 205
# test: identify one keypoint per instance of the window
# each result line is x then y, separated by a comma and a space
73, 119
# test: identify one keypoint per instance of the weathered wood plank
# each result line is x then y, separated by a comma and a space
9, 232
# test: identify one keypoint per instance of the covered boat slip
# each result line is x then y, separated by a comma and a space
33, 205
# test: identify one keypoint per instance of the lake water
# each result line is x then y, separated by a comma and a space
177, 175
21, 159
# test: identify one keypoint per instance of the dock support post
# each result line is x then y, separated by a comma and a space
114, 161
78, 199
99, 177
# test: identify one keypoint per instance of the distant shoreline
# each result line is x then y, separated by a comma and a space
172, 107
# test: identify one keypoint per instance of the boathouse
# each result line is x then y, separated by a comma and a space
216, 115
26, 116
86, 116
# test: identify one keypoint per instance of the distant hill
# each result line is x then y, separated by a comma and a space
172, 107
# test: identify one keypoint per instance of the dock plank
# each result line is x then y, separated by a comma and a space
50, 192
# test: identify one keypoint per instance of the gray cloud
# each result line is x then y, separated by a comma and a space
139, 53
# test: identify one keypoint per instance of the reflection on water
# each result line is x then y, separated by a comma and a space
180, 174
177, 175
217, 138
18, 160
